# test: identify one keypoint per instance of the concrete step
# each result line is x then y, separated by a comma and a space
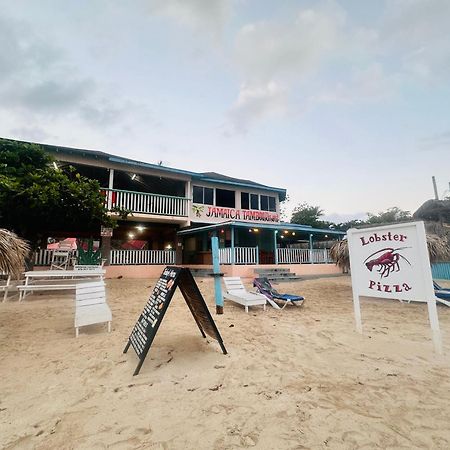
201, 272
277, 270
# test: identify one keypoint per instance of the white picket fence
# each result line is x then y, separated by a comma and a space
142, 257
303, 256
141, 202
242, 255
43, 257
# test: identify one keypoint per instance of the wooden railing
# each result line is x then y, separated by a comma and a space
303, 256
242, 255
142, 202
142, 257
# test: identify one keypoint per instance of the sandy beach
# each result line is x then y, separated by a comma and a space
293, 379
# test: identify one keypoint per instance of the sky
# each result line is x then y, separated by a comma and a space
346, 104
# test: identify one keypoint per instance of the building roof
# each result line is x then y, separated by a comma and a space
280, 226
212, 177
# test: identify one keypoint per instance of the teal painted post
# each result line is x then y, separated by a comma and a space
275, 232
232, 246
216, 270
311, 259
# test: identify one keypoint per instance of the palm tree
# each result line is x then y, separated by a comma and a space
13, 252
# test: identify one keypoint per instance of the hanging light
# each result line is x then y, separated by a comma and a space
140, 228
286, 232
293, 233
131, 235
255, 230
133, 177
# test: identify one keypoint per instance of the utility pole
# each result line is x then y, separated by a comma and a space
436, 196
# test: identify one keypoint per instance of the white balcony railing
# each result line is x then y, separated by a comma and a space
242, 255
141, 202
303, 256
43, 257
142, 257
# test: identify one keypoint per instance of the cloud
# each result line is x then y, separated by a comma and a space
269, 50
367, 85
417, 31
436, 142
38, 83
208, 16
257, 102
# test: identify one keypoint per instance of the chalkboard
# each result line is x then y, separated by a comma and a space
147, 325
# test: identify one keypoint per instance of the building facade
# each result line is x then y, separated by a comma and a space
173, 213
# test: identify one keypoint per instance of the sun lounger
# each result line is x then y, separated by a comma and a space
273, 296
236, 292
442, 294
91, 306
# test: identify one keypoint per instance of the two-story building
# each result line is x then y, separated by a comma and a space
173, 213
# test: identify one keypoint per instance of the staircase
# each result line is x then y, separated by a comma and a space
277, 274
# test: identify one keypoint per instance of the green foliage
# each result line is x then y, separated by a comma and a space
391, 215
36, 199
90, 256
305, 214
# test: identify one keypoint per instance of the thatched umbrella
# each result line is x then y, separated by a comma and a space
438, 249
13, 252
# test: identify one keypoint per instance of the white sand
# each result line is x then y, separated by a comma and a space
298, 378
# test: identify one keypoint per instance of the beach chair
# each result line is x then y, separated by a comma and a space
442, 294
236, 292
5, 284
264, 287
60, 259
91, 306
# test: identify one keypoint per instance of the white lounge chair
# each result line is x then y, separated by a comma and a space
5, 284
236, 292
91, 306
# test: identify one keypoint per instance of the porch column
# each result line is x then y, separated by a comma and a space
311, 259
232, 246
275, 232
110, 186
106, 249
217, 274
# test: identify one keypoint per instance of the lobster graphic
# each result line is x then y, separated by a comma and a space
388, 261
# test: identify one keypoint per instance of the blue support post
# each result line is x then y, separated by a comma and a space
217, 274
275, 232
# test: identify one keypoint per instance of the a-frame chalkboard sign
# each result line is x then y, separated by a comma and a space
146, 327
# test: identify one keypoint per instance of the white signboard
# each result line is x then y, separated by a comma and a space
392, 262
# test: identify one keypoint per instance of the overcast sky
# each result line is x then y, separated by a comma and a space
344, 103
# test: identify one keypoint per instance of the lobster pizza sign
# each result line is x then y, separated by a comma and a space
391, 262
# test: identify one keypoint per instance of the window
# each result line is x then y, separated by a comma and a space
202, 195
245, 202
272, 204
254, 201
264, 203
225, 198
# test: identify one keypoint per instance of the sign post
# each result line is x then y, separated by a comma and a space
146, 327
392, 262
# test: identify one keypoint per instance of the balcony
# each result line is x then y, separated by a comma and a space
144, 203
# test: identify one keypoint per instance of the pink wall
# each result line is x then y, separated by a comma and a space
237, 270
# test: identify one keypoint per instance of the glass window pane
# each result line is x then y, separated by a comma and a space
272, 204
245, 200
226, 198
209, 196
254, 201
264, 203
197, 196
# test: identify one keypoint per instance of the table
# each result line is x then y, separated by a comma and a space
51, 280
